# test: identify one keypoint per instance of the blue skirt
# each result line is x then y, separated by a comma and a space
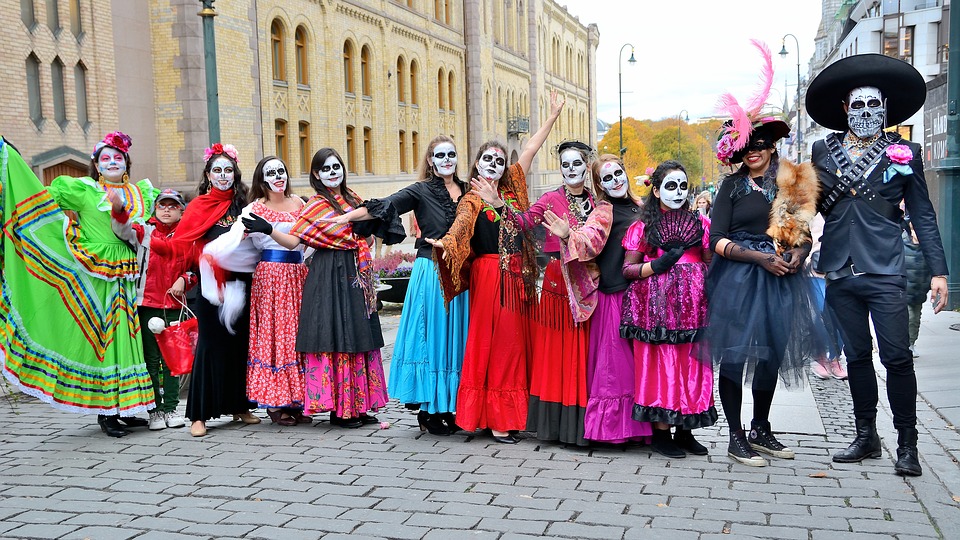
428, 351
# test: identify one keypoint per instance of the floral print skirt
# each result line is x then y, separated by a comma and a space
348, 384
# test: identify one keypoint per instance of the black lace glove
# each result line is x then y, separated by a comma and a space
666, 261
255, 223
795, 257
771, 262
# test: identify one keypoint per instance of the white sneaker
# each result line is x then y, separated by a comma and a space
157, 421
174, 419
913, 350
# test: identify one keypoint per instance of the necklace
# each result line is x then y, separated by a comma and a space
579, 209
859, 143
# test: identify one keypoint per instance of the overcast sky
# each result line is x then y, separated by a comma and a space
690, 51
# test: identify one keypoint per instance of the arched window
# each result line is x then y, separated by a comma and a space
414, 83
304, 147
276, 50
280, 131
351, 151
441, 90
80, 81
33, 89
450, 101
59, 104
401, 80
300, 42
488, 118
365, 70
367, 151
415, 146
76, 21
348, 68
403, 151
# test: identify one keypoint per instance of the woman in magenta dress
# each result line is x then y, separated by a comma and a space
664, 312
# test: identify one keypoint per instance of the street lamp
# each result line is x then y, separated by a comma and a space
210, 67
632, 60
783, 54
685, 116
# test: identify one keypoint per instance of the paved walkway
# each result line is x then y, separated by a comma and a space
61, 478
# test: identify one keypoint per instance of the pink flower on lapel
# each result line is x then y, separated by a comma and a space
899, 153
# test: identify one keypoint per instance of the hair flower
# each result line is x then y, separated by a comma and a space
221, 149
725, 148
900, 154
115, 139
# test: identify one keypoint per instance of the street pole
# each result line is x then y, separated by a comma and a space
632, 60
783, 54
679, 117
949, 207
210, 67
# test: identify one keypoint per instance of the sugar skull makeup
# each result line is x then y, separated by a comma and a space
573, 167
275, 175
444, 159
673, 190
112, 165
331, 172
865, 111
492, 163
613, 179
221, 174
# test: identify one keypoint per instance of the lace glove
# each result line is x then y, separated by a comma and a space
769, 261
666, 261
795, 257
255, 223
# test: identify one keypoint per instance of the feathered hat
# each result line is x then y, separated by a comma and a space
746, 119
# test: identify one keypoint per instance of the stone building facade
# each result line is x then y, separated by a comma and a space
377, 80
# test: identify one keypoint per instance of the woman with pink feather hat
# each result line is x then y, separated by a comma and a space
763, 322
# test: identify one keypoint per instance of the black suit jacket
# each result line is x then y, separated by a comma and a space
854, 231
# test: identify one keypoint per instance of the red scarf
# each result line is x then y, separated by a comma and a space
203, 213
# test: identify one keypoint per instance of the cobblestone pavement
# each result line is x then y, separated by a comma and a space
61, 478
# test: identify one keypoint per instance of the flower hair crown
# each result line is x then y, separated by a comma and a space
217, 149
115, 139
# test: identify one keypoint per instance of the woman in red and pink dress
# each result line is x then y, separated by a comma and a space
665, 312
275, 377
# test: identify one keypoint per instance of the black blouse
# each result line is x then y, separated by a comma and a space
610, 259
748, 211
429, 201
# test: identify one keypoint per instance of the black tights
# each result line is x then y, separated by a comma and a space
731, 392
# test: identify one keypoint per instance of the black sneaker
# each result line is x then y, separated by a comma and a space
762, 440
740, 450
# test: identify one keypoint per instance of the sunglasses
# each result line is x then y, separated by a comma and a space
168, 206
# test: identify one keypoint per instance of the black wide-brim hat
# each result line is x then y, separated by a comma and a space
772, 130
901, 85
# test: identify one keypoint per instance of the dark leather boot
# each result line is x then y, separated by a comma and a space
111, 426
908, 461
865, 445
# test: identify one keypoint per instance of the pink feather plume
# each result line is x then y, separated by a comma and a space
757, 101
741, 120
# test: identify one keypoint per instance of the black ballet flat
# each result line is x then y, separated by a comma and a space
507, 439
133, 421
110, 426
350, 423
367, 419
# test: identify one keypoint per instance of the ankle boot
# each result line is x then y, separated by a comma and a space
663, 444
111, 426
908, 461
684, 439
865, 445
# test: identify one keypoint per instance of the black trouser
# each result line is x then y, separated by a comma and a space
855, 300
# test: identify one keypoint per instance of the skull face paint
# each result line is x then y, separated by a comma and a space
221, 174
865, 111
492, 163
673, 190
613, 180
112, 165
573, 167
331, 172
275, 175
444, 159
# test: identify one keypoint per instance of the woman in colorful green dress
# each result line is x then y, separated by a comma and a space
69, 332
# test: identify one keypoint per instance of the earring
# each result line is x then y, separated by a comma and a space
101, 179
126, 178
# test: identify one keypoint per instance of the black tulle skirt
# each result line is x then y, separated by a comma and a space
759, 321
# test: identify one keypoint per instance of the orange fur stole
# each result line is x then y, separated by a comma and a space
794, 206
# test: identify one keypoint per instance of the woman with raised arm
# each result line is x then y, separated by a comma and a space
339, 329
428, 351
500, 271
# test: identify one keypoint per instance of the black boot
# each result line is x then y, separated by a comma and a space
684, 439
663, 444
865, 445
908, 461
111, 426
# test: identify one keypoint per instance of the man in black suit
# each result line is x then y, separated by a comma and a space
864, 173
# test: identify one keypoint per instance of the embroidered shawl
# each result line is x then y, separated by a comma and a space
581, 274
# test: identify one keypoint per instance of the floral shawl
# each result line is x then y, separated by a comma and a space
581, 274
